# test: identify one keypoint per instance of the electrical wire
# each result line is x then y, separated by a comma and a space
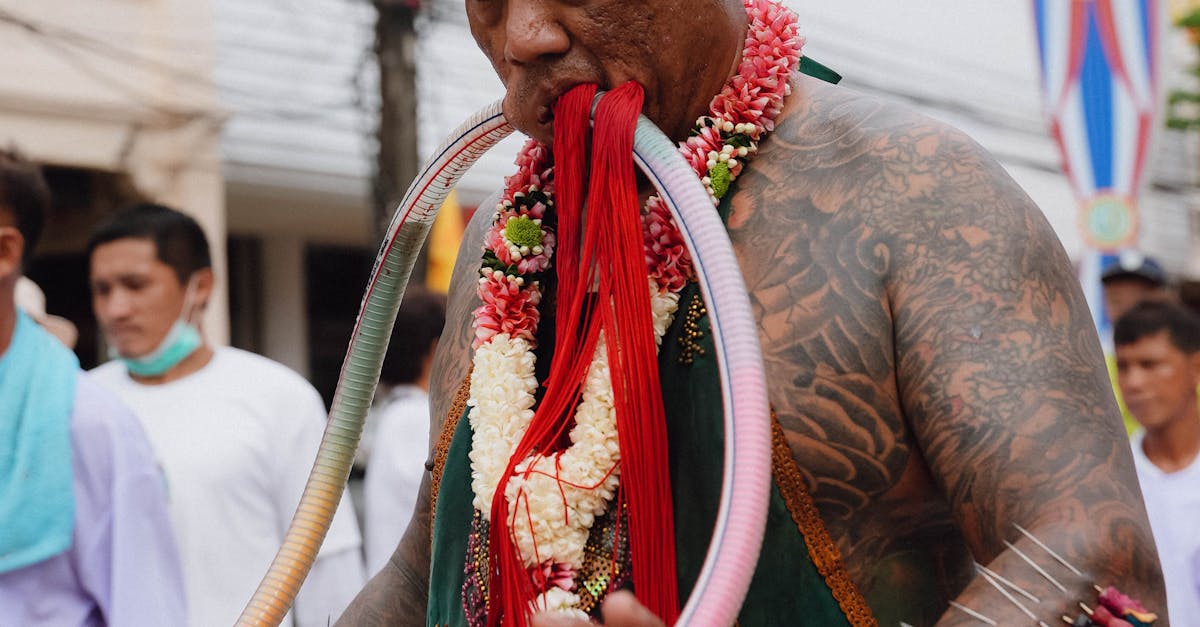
60, 41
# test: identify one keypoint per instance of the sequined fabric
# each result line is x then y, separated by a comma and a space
606, 565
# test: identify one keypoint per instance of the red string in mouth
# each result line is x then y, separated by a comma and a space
602, 287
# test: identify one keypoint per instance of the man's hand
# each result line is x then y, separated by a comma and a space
621, 609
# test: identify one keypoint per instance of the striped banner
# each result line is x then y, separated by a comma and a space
1099, 64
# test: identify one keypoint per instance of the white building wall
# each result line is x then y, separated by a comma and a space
120, 87
300, 81
455, 80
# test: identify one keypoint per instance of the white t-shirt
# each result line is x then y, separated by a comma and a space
237, 440
394, 471
1173, 503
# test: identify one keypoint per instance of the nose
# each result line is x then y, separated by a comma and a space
1130, 379
115, 305
533, 31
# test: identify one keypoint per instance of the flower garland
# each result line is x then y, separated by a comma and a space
553, 500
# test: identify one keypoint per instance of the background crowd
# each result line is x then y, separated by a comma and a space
156, 488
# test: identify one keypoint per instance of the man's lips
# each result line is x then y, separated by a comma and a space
545, 111
1136, 403
121, 333
545, 114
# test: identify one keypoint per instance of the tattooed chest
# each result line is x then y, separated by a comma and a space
817, 272
837, 402
826, 334
834, 391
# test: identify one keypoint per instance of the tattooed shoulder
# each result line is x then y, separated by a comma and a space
920, 320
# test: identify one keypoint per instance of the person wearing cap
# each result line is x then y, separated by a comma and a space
1158, 363
1130, 279
85, 537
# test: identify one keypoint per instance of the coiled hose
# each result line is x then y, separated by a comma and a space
737, 536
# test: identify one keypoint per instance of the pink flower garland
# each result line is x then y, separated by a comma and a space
739, 117
510, 300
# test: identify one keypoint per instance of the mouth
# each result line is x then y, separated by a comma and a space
545, 111
1136, 405
545, 114
120, 335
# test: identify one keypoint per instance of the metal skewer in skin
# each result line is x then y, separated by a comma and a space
1113, 608
741, 518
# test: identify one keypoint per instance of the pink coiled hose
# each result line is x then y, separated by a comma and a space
741, 517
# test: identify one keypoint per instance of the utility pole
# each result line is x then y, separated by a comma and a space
396, 167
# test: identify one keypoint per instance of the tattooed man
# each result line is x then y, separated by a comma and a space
931, 362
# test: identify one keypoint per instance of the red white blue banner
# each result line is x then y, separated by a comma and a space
1099, 63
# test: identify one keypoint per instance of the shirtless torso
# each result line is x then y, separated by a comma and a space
929, 355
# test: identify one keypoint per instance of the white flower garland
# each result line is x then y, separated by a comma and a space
586, 473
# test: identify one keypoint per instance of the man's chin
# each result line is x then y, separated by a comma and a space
129, 352
1150, 424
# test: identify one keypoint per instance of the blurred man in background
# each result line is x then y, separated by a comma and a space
401, 434
1127, 281
84, 533
1158, 369
228, 426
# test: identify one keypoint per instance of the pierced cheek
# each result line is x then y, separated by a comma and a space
517, 102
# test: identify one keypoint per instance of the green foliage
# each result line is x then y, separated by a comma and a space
1191, 20
491, 262
1183, 106
738, 140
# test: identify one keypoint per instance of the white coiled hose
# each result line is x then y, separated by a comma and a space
741, 518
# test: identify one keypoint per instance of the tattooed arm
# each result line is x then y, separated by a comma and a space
1003, 385
397, 595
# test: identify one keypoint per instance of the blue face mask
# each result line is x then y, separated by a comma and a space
181, 340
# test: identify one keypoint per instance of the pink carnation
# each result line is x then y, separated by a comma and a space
538, 210
697, 147
556, 575
667, 258
507, 308
533, 168
494, 240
